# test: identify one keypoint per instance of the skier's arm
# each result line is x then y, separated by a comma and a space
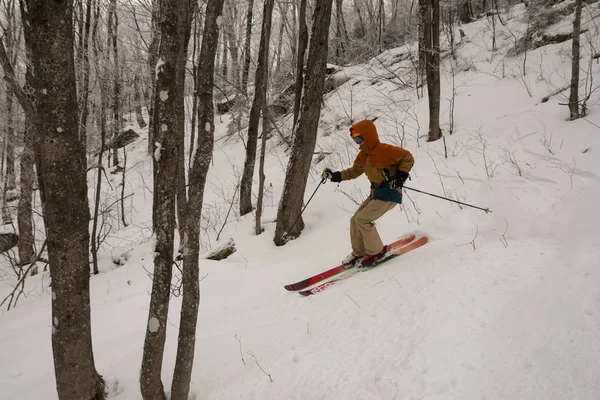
405, 162
353, 172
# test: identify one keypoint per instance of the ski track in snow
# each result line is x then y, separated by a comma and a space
464, 317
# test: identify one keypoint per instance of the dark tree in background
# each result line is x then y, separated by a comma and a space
431, 29
255, 110
305, 138
574, 95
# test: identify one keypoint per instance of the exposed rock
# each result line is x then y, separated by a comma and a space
8, 241
123, 139
222, 252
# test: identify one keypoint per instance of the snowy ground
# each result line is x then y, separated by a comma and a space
496, 306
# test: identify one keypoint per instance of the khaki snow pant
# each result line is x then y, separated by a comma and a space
363, 234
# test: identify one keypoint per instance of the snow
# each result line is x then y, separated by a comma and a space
504, 305
157, 151
159, 67
153, 325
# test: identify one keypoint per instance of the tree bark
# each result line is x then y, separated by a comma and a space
254, 119
152, 60
361, 23
247, 53
465, 16
197, 179
63, 181
574, 95
85, 87
423, 42
432, 57
113, 30
231, 14
380, 25
175, 26
9, 176
102, 117
302, 44
277, 58
137, 98
340, 45
261, 170
298, 168
25, 215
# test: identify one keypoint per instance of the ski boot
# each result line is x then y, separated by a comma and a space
370, 260
350, 261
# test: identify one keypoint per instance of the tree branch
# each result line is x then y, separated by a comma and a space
11, 80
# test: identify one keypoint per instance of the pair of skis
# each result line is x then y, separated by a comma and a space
399, 247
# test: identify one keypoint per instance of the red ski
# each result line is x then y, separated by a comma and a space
336, 270
395, 252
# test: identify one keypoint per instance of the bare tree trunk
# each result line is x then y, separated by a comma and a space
574, 95
137, 99
102, 117
24, 218
380, 25
306, 135
465, 15
277, 58
361, 22
423, 41
302, 44
225, 59
340, 43
197, 178
63, 182
432, 57
254, 119
169, 123
85, 87
9, 176
394, 17
152, 60
113, 30
195, 76
247, 54
231, 14
261, 169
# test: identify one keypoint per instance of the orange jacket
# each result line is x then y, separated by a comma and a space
374, 156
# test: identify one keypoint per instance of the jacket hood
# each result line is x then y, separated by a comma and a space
366, 128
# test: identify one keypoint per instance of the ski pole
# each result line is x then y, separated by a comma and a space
285, 234
386, 175
487, 210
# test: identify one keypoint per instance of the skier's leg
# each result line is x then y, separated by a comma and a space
358, 247
363, 222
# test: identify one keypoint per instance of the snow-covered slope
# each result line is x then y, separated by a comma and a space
503, 305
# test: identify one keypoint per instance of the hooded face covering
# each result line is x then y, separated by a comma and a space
380, 154
367, 131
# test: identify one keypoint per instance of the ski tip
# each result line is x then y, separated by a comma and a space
291, 288
305, 293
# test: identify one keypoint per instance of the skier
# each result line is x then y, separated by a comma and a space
387, 168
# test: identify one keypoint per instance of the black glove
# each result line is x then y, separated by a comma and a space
398, 181
333, 176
